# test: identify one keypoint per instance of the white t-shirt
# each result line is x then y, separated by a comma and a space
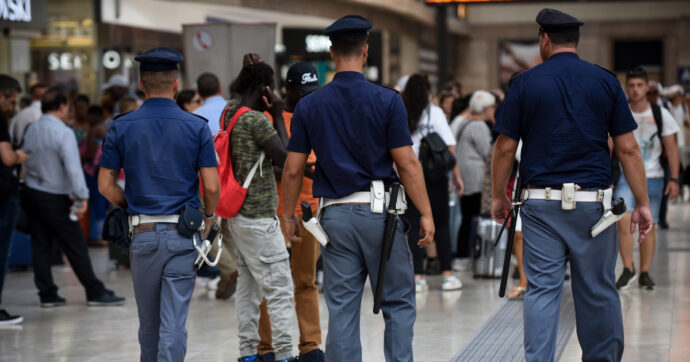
679, 114
432, 120
646, 135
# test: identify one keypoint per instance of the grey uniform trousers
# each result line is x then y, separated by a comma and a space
552, 237
356, 239
162, 264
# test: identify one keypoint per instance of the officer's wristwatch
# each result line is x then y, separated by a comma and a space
675, 179
212, 216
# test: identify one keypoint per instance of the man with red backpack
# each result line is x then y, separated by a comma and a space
262, 258
655, 133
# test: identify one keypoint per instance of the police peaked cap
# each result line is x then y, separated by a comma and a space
554, 21
159, 59
349, 27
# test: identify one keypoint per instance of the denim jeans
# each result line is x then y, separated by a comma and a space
9, 211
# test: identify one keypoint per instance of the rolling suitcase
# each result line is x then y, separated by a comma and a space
487, 259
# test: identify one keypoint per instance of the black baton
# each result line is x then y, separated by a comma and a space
511, 220
388, 237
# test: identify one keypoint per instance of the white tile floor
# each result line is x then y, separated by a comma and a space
657, 323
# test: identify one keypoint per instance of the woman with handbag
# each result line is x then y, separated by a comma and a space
434, 144
474, 142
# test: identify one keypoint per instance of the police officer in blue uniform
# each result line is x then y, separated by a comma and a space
162, 150
564, 110
357, 130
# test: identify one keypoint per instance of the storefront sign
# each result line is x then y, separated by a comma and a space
22, 13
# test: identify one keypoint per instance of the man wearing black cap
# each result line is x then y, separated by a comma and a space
301, 80
357, 131
162, 150
564, 110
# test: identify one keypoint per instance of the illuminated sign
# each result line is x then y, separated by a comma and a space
15, 10
317, 43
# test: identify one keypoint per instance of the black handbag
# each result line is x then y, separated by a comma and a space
434, 156
116, 228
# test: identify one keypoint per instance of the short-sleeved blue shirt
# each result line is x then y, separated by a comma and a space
351, 124
161, 149
564, 111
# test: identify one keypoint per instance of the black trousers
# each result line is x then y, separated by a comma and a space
438, 198
48, 216
471, 206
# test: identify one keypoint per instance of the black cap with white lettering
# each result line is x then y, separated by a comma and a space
303, 77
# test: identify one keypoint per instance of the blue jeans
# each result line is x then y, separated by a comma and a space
9, 211
356, 239
163, 274
552, 237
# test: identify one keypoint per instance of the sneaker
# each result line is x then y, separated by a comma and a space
626, 278
213, 284
312, 356
451, 283
248, 358
108, 298
646, 281
268, 357
227, 287
55, 301
461, 264
7, 319
420, 286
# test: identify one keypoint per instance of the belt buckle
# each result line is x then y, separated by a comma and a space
547, 193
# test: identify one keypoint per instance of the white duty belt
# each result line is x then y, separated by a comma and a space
377, 198
135, 220
602, 196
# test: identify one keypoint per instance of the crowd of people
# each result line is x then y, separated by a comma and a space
65, 161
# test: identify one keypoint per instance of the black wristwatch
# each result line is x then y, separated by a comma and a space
213, 215
675, 179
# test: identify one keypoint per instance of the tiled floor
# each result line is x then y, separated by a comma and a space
657, 323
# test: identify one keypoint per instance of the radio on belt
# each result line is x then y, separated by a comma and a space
312, 224
611, 216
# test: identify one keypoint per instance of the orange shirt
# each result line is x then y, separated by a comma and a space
306, 194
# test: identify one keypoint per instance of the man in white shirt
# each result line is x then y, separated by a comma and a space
27, 115
650, 143
209, 89
680, 113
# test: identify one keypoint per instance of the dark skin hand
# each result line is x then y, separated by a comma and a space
275, 146
97, 133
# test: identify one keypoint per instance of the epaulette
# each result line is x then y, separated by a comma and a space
606, 70
121, 114
202, 117
385, 86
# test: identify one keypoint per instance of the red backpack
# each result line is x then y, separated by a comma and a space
232, 194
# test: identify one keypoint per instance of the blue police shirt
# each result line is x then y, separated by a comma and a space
161, 149
564, 111
351, 124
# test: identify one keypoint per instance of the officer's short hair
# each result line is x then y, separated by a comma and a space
480, 101
9, 86
158, 81
346, 48
253, 76
52, 100
637, 72
572, 37
207, 85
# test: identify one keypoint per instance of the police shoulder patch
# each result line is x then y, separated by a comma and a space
606, 70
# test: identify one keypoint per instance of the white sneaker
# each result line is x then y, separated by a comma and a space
213, 283
461, 264
451, 283
420, 286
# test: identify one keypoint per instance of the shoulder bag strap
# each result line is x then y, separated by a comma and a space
461, 130
240, 112
250, 176
656, 112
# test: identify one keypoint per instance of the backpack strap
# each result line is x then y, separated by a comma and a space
656, 112
240, 112
250, 176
